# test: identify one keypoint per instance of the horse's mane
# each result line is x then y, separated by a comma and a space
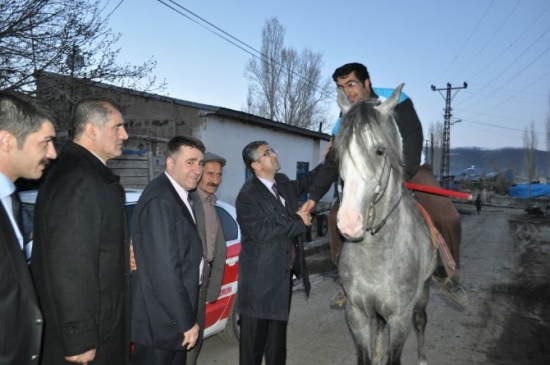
372, 131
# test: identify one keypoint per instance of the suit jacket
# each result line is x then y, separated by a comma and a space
80, 260
168, 251
20, 316
220, 250
268, 231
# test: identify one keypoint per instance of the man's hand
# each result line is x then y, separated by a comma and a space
308, 206
327, 148
133, 265
82, 358
190, 337
306, 217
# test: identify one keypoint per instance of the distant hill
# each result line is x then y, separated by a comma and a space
498, 160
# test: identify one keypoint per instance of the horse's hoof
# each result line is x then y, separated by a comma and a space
338, 301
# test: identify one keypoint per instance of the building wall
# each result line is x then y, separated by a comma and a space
227, 138
153, 119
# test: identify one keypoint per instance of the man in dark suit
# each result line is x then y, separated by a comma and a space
26, 136
271, 249
213, 241
168, 254
80, 261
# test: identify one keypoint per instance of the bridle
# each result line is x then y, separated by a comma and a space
379, 192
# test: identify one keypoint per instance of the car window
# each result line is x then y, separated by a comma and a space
229, 226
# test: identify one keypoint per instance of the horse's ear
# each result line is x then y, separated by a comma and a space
386, 107
343, 101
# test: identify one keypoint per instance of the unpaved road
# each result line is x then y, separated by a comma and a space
506, 272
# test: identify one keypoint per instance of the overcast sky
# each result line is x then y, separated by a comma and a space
501, 48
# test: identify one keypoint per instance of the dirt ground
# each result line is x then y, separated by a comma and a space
505, 259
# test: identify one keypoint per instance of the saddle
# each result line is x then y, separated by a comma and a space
439, 244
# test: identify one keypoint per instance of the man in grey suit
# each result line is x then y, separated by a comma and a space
213, 240
26, 136
169, 260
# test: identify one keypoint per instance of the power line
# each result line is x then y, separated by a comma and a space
466, 42
489, 40
496, 58
116, 7
245, 47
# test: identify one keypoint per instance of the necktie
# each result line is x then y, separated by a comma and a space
192, 205
276, 191
292, 248
16, 208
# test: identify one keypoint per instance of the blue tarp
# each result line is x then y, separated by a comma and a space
522, 191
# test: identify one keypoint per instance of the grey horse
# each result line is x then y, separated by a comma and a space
387, 259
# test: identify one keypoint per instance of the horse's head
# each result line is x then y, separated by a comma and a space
370, 158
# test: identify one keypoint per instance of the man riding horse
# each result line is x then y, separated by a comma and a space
354, 80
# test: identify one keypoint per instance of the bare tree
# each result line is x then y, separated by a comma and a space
66, 37
286, 85
530, 154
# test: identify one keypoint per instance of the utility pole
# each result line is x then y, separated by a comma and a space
445, 158
426, 151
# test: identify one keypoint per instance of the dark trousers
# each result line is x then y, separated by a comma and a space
145, 355
193, 354
261, 337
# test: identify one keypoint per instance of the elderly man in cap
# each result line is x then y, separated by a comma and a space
213, 240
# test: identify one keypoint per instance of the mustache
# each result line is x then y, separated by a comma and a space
214, 185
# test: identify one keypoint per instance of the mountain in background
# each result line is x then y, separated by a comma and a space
494, 161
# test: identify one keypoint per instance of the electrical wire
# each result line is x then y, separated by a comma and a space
244, 46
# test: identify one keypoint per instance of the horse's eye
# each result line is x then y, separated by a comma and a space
380, 151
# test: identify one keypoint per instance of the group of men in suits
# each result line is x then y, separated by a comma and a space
72, 304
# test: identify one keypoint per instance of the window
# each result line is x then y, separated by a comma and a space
229, 226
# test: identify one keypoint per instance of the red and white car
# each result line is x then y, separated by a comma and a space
221, 315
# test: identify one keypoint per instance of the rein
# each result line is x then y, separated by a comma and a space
377, 196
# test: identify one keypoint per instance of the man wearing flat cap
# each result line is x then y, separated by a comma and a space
213, 240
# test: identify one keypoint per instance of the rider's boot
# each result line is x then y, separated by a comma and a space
450, 287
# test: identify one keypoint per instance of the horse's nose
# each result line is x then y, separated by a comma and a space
351, 226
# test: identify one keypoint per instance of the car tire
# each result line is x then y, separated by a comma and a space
322, 225
232, 330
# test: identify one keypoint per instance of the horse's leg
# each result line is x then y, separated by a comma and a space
399, 328
378, 346
359, 324
419, 320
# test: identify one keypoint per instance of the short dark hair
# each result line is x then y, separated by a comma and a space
250, 153
21, 115
360, 71
177, 142
94, 110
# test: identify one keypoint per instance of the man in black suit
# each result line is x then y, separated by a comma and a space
168, 254
26, 136
213, 241
271, 249
80, 261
